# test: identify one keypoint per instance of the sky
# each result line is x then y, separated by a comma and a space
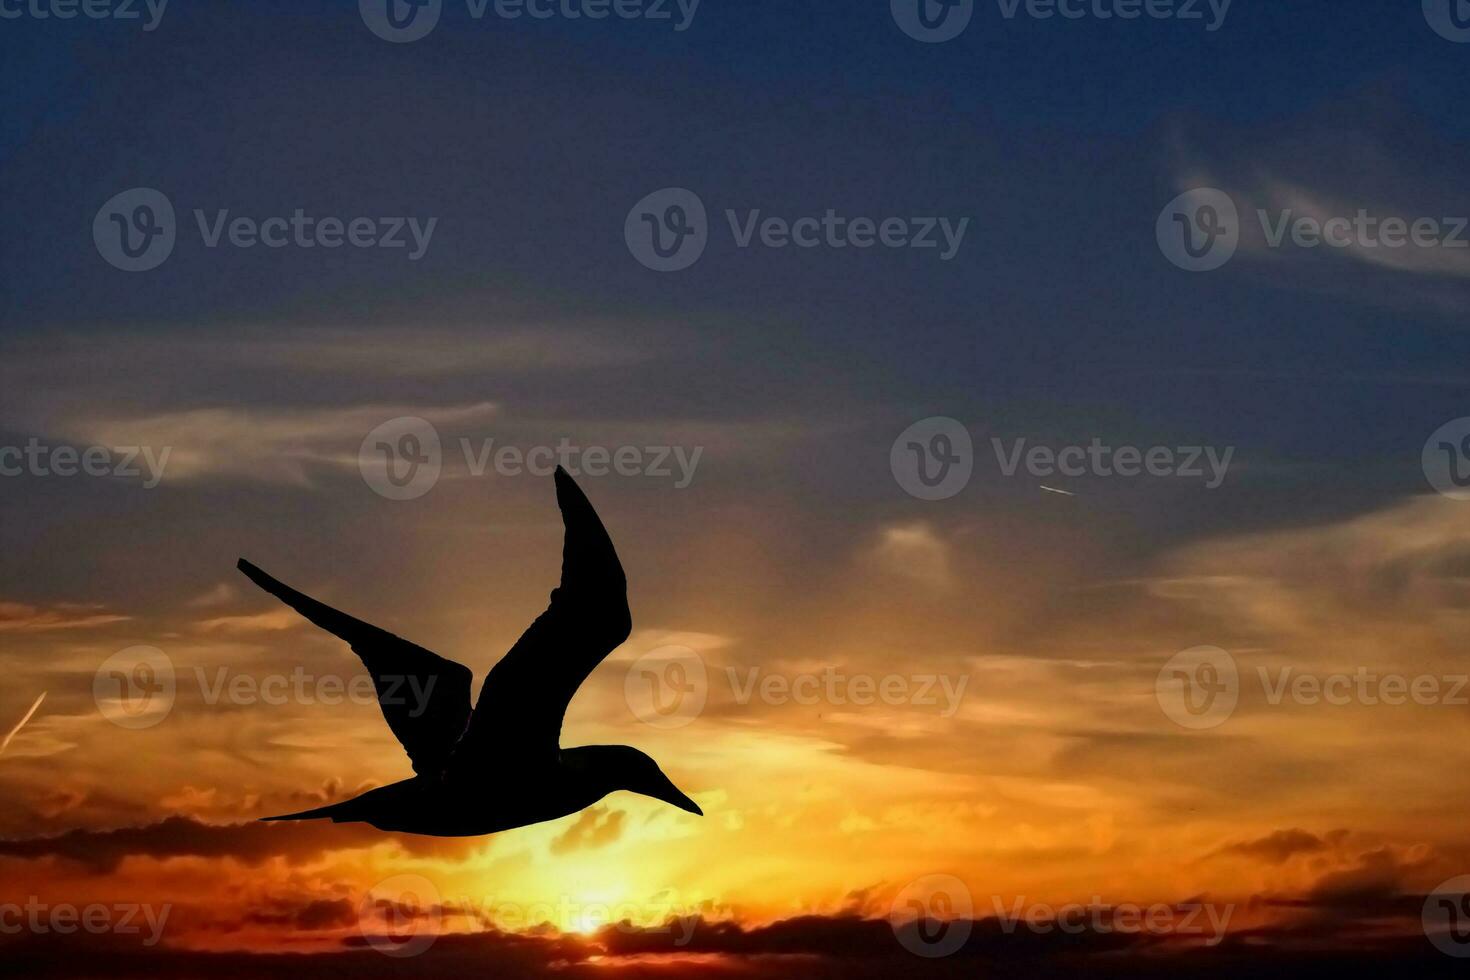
1059, 570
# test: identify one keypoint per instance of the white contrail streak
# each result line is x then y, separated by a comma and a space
1064, 493
16, 730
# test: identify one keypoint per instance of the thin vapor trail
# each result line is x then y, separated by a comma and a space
16, 730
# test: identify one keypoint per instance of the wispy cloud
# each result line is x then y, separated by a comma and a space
272, 621
915, 551
267, 445
596, 827
18, 617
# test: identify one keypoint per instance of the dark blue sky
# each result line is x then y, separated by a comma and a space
1061, 141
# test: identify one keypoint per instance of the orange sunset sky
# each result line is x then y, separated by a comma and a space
925, 733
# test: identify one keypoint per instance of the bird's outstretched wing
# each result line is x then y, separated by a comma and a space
518, 717
425, 698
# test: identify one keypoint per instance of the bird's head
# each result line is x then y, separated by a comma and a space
632, 770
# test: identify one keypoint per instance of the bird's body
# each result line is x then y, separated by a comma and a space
452, 808
499, 766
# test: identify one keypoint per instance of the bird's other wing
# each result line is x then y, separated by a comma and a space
518, 717
425, 698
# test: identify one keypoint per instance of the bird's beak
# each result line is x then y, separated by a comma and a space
671, 794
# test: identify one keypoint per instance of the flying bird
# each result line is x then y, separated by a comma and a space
501, 765
21, 724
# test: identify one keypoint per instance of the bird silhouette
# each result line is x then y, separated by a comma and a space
502, 765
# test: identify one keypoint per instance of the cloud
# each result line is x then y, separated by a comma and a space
429, 352
1378, 876
850, 949
1277, 847
314, 915
102, 851
267, 445
1385, 163
595, 827
915, 551
221, 595
1281, 197
1371, 580
272, 621
17, 617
